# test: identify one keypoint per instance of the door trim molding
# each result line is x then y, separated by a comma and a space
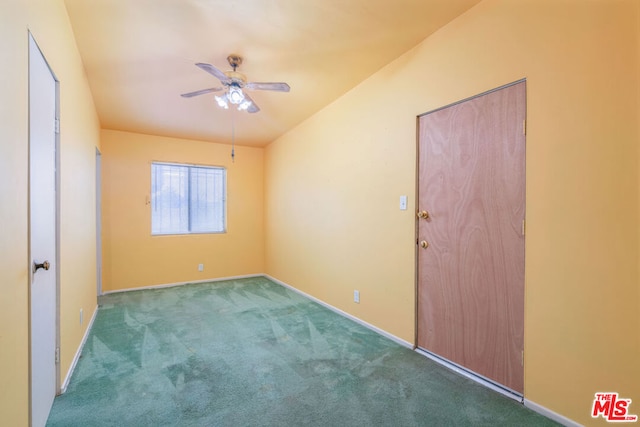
98, 222
58, 232
522, 80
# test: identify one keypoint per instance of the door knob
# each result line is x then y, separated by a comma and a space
423, 214
46, 265
424, 244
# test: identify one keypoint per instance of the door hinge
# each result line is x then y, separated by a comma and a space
57, 124
524, 127
522, 358
524, 227
57, 355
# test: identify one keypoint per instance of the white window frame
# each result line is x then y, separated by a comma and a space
190, 167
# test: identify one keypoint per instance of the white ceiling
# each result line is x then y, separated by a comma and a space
139, 56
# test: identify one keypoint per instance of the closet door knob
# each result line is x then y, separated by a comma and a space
45, 265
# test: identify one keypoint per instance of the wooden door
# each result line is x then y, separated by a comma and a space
42, 230
471, 274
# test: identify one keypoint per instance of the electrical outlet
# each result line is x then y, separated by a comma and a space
200, 267
356, 296
81, 316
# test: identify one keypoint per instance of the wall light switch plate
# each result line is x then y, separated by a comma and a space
356, 296
403, 203
200, 267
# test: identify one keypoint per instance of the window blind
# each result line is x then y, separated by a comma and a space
187, 199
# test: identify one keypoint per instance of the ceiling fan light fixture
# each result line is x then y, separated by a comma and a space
245, 104
235, 95
222, 101
233, 83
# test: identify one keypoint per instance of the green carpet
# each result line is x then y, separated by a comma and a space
252, 353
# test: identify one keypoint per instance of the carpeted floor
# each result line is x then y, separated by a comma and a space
252, 353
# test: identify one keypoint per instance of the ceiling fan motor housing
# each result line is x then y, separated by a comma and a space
236, 78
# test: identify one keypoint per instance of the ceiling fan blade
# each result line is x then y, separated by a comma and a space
201, 92
280, 87
253, 108
213, 71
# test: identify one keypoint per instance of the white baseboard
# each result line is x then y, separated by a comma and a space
344, 314
171, 285
330, 307
74, 362
528, 403
279, 282
550, 414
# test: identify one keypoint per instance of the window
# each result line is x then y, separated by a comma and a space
187, 199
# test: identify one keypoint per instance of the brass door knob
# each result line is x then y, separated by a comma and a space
424, 244
423, 214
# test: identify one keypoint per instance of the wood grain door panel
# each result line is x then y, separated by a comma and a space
471, 276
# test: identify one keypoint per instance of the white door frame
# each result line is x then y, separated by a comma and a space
99, 221
30, 190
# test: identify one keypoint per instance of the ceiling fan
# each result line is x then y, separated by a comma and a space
233, 83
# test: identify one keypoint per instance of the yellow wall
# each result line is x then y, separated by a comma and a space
134, 258
48, 22
332, 187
